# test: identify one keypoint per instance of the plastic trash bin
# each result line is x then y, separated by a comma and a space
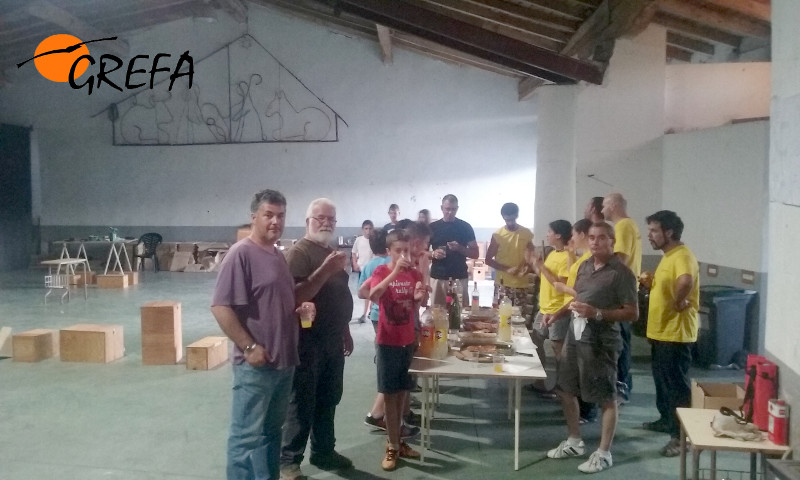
723, 321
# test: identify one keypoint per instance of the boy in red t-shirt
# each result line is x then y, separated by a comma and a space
397, 288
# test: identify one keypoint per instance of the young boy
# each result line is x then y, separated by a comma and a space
397, 289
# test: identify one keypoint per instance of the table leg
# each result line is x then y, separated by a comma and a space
695, 463
753, 466
713, 464
64, 251
85, 268
127, 258
517, 396
50, 288
82, 250
683, 453
426, 415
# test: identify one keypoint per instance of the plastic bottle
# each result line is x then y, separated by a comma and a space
440, 332
504, 328
476, 297
427, 334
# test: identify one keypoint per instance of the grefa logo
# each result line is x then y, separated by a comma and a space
65, 58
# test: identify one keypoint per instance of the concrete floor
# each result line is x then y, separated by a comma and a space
124, 420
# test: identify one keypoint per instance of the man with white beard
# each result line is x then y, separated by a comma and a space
319, 275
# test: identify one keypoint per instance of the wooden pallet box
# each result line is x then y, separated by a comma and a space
162, 338
35, 345
112, 281
207, 353
92, 343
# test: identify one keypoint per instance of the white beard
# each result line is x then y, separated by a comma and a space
322, 237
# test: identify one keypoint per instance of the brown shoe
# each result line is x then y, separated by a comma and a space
390, 459
407, 452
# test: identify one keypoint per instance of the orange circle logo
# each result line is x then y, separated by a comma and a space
65, 50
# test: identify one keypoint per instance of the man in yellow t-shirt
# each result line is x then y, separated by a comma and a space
672, 323
508, 253
628, 247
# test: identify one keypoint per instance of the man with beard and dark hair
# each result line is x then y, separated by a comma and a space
319, 273
672, 323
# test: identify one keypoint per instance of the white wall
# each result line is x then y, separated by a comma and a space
784, 199
621, 124
716, 181
418, 129
708, 95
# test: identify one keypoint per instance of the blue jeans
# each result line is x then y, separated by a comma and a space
260, 399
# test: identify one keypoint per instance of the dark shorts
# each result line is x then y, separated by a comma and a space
589, 371
393, 363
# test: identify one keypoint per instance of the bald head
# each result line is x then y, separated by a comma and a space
615, 207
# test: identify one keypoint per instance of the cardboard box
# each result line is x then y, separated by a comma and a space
112, 280
207, 353
179, 261
133, 278
91, 343
162, 337
5, 342
716, 395
35, 345
479, 268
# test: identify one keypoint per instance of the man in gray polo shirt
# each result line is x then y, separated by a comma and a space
605, 294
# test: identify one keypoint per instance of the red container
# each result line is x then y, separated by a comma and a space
778, 422
761, 386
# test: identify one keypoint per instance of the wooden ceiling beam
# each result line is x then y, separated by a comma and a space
569, 9
759, 9
678, 53
385, 41
58, 16
688, 43
315, 12
611, 20
450, 55
526, 58
725, 21
535, 15
492, 20
695, 29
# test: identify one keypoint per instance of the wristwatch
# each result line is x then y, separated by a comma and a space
249, 348
598, 315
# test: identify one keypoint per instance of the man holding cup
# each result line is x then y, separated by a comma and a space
453, 241
254, 304
319, 274
605, 296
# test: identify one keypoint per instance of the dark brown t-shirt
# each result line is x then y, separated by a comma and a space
334, 301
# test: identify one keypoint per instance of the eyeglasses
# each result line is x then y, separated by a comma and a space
322, 219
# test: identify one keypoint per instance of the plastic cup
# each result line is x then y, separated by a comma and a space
497, 362
306, 316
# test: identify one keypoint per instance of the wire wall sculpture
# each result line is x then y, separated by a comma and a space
259, 101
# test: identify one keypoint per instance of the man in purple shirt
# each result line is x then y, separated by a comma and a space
254, 304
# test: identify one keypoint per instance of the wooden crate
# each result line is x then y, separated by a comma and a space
207, 353
112, 281
93, 343
133, 278
35, 345
162, 339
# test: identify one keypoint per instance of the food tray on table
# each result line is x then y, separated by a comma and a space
486, 351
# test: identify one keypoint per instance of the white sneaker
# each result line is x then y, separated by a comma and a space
566, 449
596, 463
